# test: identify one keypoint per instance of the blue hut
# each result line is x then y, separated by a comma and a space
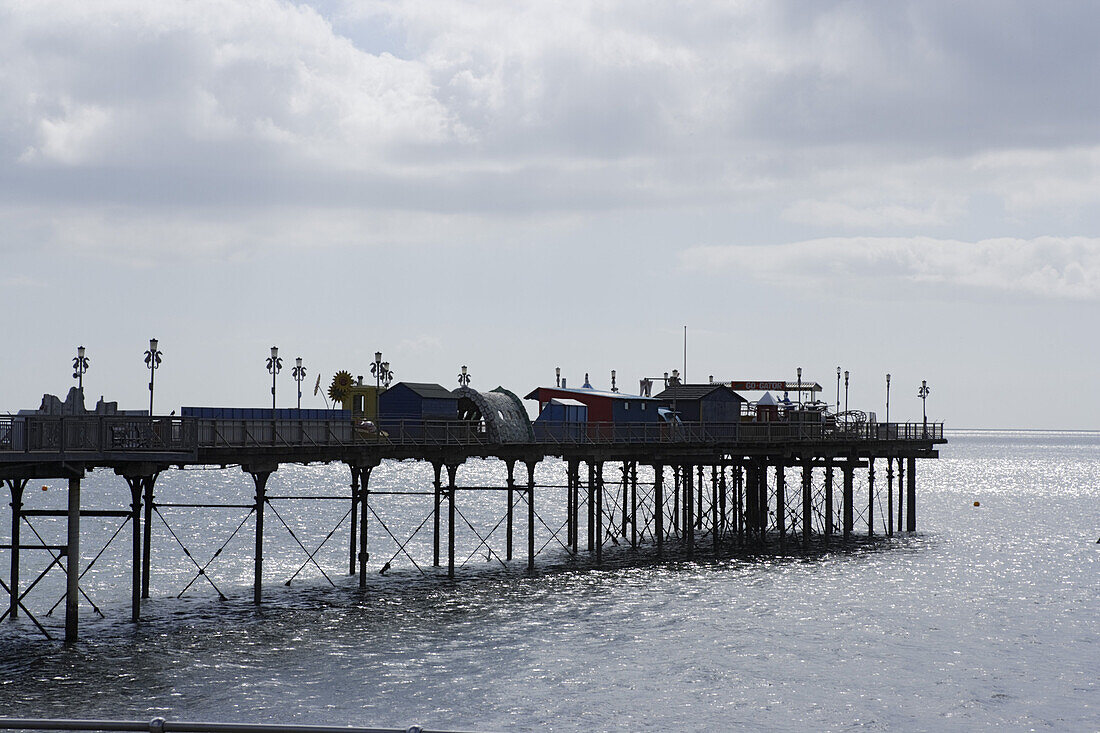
716, 405
562, 419
407, 408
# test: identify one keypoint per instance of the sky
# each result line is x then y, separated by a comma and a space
904, 187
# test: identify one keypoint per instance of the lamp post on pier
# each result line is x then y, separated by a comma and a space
845, 390
80, 365
274, 366
613, 387
923, 394
800, 388
152, 360
381, 371
557, 376
299, 373
887, 398
464, 377
838, 389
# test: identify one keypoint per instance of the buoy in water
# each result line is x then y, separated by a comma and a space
44, 487
977, 503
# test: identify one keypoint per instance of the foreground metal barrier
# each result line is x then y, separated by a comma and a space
160, 725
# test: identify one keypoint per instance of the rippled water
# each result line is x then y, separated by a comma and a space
988, 617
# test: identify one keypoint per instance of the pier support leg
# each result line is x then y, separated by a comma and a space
911, 496
135, 483
599, 512
870, 496
714, 506
147, 542
353, 545
452, 489
901, 492
72, 562
511, 505
259, 478
570, 512
781, 503
752, 496
807, 500
625, 499
723, 502
531, 515
699, 497
828, 501
689, 511
16, 486
591, 505
437, 483
848, 501
364, 508
676, 499
634, 504
739, 502
658, 507
889, 497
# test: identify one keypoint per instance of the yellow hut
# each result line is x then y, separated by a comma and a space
358, 398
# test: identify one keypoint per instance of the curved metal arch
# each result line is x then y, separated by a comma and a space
504, 418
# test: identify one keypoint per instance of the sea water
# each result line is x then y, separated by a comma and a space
988, 617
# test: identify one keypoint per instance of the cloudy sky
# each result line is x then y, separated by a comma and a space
905, 187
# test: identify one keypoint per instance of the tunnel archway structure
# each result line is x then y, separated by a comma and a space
500, 413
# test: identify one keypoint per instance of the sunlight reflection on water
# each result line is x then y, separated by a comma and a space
985, 618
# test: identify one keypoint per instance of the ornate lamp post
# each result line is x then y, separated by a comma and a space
557, 376
464, 377
152, 360
299, 373
613, 387
381, 371
80, 365
887, 398
838, 389
845, 390
923, 394
274, 366
800, 388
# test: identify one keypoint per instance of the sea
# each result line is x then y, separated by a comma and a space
988, 617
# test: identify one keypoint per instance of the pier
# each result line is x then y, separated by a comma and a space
705, 487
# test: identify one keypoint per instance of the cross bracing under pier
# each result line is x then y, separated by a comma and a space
681, 490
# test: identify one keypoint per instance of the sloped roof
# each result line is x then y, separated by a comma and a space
586, 392
428, 390
767, 401
693, 391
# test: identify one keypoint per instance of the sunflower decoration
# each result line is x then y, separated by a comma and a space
341, 383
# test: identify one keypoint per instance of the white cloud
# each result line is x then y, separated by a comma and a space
125, 235
853, 115
1050, 267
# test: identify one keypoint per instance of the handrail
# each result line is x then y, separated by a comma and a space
160, 725
143, 434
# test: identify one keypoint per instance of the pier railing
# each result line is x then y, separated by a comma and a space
115, 435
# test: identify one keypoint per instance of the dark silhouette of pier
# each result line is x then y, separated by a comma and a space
737, 485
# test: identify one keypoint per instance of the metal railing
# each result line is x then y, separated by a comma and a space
95, 434
110, 434
160, 725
